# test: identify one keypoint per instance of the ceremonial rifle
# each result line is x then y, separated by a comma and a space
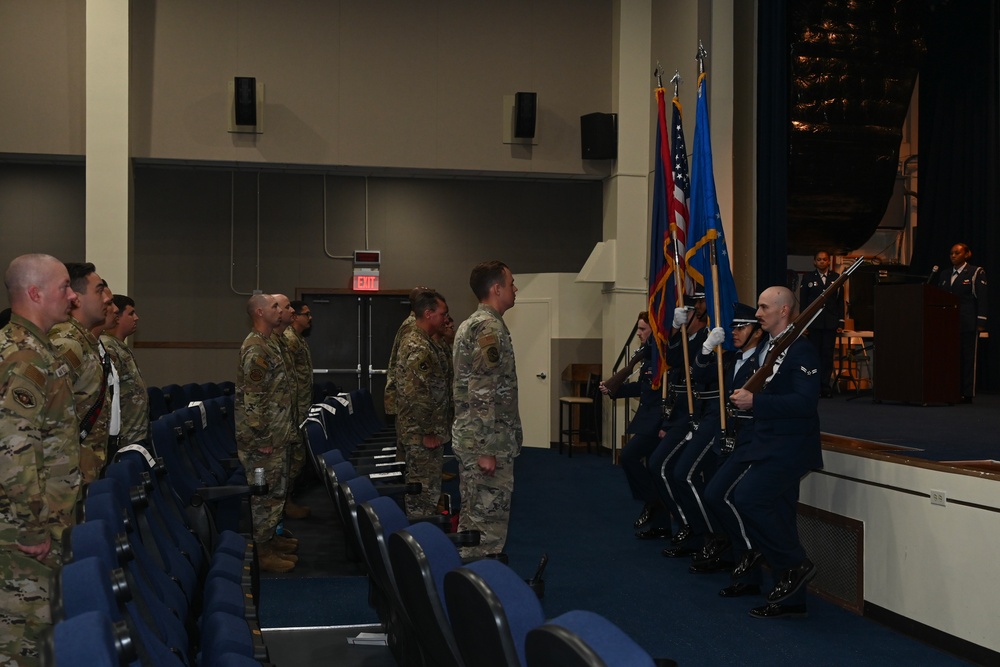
792, 332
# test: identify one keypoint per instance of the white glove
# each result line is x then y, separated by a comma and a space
680, 317
714, 339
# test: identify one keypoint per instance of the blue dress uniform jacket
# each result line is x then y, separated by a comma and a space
786, 422
970, 288
649, 413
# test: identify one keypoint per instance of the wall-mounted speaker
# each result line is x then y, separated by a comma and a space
246, 100
246, 105
599, 136
524, 115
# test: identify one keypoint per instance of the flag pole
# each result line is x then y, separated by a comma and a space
679, 281
718, 348
714, 263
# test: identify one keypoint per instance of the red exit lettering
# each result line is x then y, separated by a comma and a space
364, 283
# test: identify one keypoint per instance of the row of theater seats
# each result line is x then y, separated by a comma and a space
159, 569
437, 610
166, 399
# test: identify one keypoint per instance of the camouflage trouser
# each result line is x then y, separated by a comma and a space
297, 453
485, 503
266, 511
24, 607
423, 465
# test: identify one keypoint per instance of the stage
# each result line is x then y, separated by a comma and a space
968, 431
902, 533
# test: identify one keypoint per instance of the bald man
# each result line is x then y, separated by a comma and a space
784, 448
39, 451
264, 429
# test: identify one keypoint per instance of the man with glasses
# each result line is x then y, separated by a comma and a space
302, 368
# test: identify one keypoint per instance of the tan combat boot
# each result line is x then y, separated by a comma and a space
270, 560
285, 545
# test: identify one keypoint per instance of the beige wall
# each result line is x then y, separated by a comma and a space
386, 84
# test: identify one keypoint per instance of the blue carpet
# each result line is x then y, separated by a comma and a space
318, 601
579, 510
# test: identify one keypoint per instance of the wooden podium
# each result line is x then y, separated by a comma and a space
916, 345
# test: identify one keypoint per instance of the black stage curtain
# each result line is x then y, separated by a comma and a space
959, 150
772, 145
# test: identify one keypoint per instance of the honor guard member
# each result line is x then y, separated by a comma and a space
785, 446
89, 373
134, 401
486, 435
968, 283
678, 424
728, 543
645, 427
423, 392
263, 413
822, 331
297, 446
390, 380
39, 452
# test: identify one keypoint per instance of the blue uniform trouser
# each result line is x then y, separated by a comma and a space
767, 497
633, 459
696, 462
663, 460
724, 514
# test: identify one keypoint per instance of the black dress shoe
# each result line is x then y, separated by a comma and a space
780, 611
715, 548
792, 580
709, 566
657, 533
682, 536
649, 510
738, 590
751, 560
676, 552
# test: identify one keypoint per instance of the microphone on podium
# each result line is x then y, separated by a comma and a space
934, 272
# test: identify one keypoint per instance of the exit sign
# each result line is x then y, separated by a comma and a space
365, 282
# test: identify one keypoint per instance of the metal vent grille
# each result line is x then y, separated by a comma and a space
836, 545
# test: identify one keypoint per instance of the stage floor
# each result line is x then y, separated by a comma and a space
936, 433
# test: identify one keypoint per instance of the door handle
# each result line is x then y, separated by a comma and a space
542, 375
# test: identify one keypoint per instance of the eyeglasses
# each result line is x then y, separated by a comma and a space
309, 315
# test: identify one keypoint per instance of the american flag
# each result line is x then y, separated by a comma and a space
681, 192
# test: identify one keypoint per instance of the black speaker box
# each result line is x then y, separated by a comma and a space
524, 115
599, 136
246, 100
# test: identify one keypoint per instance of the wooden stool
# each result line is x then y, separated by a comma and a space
575, 408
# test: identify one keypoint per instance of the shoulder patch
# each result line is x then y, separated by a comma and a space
24, 397
487, 340
256, 375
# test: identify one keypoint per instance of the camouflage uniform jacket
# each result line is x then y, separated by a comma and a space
80, 349
423, 389
39, 440
303, 370
390, 380
263, 408
280, 344
487, 422
133, 397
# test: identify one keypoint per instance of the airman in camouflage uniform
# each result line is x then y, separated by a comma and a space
89, 374
486, 435
296, 447
423, 386
134, 400
390, 380
39, 452
263, 414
